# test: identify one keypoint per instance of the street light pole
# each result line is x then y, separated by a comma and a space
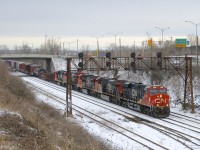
97, 37
120, 48
97, 46
77, 44
45, 43
115, 35
196, 26
68, 44
162, 30
63, 46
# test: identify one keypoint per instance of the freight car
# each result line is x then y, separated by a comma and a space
60, 77
149, 99
30, 69
48, 76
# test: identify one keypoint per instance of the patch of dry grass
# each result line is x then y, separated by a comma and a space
36, 125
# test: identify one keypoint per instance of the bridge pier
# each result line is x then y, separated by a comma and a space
47, 64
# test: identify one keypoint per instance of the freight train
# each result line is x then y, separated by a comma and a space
152, 100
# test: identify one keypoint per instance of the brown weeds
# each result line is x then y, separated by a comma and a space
35, 125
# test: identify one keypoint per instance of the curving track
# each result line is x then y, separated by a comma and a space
189, 139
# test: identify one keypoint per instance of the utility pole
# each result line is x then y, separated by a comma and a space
69, 89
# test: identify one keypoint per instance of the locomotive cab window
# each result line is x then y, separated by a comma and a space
153, 91
163, 91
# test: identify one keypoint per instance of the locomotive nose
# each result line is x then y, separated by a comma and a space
160, 100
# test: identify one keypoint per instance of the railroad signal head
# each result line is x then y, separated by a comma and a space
80, 64
108, 54
159, 54
159, 61
108, 64
133, 54
80, 55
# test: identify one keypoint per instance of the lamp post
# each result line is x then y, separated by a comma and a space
196, 25
115, 35
97, 37
69, 43
63, 45
45, 43
106, 47
162, 30
171, 39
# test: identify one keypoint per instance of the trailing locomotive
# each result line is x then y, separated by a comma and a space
149, 99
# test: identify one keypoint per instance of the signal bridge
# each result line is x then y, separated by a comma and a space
183, 68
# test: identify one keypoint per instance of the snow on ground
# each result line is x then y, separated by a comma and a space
6, 111
175, 84
104, 134
59, 64
116, 140
175, 89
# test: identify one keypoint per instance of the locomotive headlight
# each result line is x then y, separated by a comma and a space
157, 104
160, 95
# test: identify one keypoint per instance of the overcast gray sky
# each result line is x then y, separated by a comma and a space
36, 18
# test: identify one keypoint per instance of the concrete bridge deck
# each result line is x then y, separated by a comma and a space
47, 59
28, 56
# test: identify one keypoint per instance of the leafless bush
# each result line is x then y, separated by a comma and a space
14, 84
17, 87
156, 77
39, 126
47, 109
4, 76
23, 132
195, 71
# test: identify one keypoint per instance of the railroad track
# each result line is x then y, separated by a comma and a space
108, 124
188, 118
176, 135
176, 116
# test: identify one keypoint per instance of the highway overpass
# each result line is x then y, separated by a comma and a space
43, 57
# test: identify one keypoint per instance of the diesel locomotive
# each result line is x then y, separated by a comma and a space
152, 100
